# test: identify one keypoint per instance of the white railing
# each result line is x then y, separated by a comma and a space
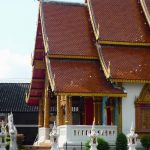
75, 134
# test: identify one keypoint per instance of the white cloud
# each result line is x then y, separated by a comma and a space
14, 65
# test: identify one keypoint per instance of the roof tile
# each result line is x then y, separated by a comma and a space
121, 20
148, 5
12, 98
68, 29
79, 76
131, 63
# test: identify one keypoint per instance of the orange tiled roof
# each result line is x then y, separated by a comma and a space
69, 32
121, 21
148, 5
68, 29
127, 63
80, 76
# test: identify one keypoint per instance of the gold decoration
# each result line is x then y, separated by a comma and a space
145, 10
144, 95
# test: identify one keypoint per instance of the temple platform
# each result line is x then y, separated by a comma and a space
76, 135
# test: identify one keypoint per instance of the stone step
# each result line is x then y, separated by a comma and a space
39, 147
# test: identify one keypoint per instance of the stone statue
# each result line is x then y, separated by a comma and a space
3, 135
132, 138
54, 138
93, 138
12, 132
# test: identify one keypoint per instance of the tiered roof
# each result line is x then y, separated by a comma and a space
128, 64
121, 21
87, 46
38, 74
81, 77
68, 30
73, 57
124, 39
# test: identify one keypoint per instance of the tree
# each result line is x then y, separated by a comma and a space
102, 144
145, 140
121, 142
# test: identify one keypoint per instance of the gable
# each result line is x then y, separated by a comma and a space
144, 95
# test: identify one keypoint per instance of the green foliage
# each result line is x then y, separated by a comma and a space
145, 140
102, 144
87, 145
121, 142
8, 142
22, 148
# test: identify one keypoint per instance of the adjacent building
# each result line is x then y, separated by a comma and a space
12, 99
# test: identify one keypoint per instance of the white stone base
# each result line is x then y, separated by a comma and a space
43, 137
2, 148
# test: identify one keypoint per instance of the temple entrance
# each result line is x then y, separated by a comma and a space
89, 110
77, 110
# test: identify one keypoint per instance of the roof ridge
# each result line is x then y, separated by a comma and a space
63, 3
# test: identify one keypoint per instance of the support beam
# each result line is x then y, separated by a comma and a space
68, 111
59, 112
95, 110
46, 105
44, 130
104, 113
99, 112
40, 115
120, 115
84, 111
116, 111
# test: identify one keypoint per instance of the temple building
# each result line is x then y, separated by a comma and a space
12, 100
91, 61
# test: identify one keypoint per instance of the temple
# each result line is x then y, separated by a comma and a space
91, 61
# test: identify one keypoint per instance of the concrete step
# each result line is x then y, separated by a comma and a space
38, 147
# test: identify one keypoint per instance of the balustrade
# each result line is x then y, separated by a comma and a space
79, 133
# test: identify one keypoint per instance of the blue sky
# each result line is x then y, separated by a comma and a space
17, 37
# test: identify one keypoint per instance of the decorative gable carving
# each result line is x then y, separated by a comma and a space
142, 108
144, 95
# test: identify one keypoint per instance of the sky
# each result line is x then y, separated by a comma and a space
17, 38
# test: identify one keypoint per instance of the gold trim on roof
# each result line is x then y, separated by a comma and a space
32, 56
51, 76
37, 80
106, 69
130, 81
39, 50
73, 57
91, 94
145, 10
123, 43
93, 21
39, 64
